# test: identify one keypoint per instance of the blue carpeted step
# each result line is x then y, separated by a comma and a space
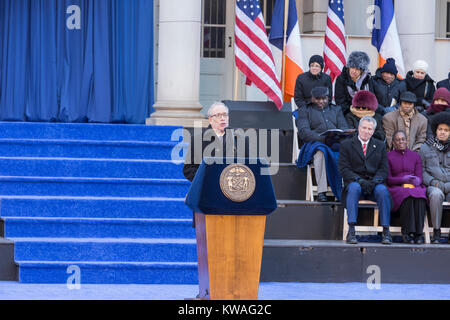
105, 249
98, 227
91, 149
108, 272
70, 167
94, 207
87, 131
116, 187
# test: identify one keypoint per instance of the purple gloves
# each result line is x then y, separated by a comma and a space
411, 179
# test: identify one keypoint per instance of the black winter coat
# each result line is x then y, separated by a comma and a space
422, 88
306, 82
386, 92
312, 121
444, 83
341, 91
353, 165
193, 161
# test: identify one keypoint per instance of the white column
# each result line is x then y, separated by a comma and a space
416, 30
178, 64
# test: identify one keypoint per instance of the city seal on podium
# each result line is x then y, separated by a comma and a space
237, 182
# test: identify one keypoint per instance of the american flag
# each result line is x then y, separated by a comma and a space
252, 50
334, 50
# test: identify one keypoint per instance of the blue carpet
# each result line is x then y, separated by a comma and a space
267, 291
105, 198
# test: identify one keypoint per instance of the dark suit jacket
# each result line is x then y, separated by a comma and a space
353, 165
213, 146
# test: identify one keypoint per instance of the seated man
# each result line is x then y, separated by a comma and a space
315, 118
364, 168
435, 154
406, 119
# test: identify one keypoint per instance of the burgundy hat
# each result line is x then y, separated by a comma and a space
364, 98
442, 93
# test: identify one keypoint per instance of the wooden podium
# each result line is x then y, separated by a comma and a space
229, 253
230, 234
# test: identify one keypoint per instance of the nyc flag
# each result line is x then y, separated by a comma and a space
385, 36
293, 65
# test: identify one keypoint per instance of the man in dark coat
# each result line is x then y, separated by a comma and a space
364, 168
444, 83
355, 76
214, 140
308, 80
314, 119
387, 86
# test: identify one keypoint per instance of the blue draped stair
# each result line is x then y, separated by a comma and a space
105, 198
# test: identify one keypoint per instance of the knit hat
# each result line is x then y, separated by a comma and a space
442, 93
318, 92
439, 118
389, 66
358, 59
316, 58
365, 98
420, 65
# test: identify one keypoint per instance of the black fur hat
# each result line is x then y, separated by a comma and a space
439, 118
358, 59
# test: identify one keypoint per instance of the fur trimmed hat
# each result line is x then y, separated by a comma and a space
358, 59
365, 98
439, 118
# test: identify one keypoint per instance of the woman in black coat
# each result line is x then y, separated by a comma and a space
387, 86
421, 84
313, 78
355, 76
365, 103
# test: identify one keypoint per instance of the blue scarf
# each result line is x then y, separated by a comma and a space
334, 178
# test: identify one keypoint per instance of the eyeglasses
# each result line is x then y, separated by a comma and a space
220, 115
361, 108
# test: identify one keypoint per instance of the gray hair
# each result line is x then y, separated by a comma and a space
214, 105
370, 119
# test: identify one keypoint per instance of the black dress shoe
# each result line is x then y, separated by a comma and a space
407, 239
418, 239
436, 236
322, 197
386, 238
351, 238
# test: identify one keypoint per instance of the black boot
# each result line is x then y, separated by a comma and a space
386, 237
418, 239
407, 239
322, 197
436, 236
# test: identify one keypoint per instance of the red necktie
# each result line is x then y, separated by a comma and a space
364, 148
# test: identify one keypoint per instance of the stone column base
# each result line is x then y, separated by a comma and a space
176, 113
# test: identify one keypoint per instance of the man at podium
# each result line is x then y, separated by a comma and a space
215, 134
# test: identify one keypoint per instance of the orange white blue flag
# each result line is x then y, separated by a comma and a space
293, 65
385, 36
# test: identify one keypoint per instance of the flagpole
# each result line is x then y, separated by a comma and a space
283, 73
236, 70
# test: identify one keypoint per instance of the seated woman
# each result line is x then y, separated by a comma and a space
435, 153
309, 80
365, 103
355, 76
440, 103
405, 185
420, 83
